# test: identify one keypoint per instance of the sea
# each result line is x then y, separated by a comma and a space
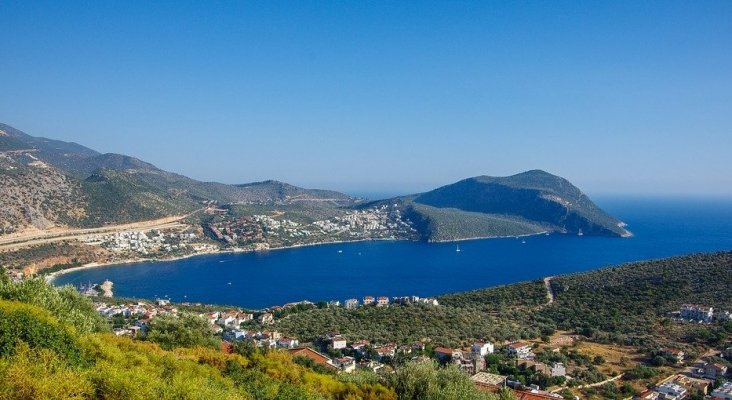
662, 227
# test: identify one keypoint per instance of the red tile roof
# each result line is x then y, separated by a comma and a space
526, 395
313, 355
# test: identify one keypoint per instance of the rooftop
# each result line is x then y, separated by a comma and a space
486, 378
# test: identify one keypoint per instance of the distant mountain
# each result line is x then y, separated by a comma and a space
280, 192
527, 203
50, 182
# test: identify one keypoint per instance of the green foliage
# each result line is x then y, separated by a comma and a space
40, 358
20, 322
534, 197
401, 324
187, 330
617, 304
65, 304
640, 372
523, 294
441, 224
117, 196
610, 305
425, 380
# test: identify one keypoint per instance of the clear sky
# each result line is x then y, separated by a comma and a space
618, 97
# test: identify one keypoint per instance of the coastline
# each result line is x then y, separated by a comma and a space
131, 261
489, 237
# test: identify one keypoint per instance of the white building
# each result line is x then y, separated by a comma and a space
482, 348
346, 364
287, 343
672, 391
339, 342
723, 392
697, 313
519, 350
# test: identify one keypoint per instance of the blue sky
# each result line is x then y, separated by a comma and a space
618, 97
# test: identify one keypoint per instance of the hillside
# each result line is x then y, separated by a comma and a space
49, 183
629, 304
529, 202
282, 193
57, 183
55, 345
36, 195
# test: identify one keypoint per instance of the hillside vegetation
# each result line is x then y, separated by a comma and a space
48, 183
628, 304
444, 224
54, 345
535, 196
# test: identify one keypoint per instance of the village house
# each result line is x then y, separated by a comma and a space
535, 394
488, 382
382, 301
468, 362
519, 350
211, 317
404, 349
723, 392
345, 364
351, 303
266, 319
714, 370
388, 350
338, 342
287, 342
370, 365
692, 384
359, 347
368, 300
235, 334
553, 370
335, 340
233, 318
695, 312
482, 348
317, 357
672, 391
445, 354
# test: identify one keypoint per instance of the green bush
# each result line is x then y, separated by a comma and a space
23, 323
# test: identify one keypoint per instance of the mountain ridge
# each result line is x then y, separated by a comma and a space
116, 188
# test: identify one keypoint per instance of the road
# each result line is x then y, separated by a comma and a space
549, 290
13, 242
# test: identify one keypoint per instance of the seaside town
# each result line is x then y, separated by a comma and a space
530, 369
259, 232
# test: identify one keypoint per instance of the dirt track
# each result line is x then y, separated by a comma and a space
16, 241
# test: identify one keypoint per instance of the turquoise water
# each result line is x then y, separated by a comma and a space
662, 228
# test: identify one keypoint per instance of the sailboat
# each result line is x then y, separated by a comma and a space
457, 249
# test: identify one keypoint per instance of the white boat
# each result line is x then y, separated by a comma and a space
457, 249
580, 233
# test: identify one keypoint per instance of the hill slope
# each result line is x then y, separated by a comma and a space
54, 183
543, 201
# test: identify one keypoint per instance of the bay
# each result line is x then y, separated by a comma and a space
662, 227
